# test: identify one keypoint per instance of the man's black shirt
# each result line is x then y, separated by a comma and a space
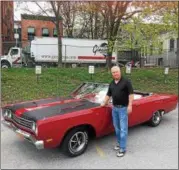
120, 92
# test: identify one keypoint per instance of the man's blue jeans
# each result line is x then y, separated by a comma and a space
120, 122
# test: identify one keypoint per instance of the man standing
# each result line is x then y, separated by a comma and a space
121, 91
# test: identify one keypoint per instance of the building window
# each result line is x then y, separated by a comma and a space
172, 42
45, 32
55, 32
31, 33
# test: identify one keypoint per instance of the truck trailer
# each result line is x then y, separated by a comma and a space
44, 51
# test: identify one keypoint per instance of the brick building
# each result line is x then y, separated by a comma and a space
39, 26
7, 22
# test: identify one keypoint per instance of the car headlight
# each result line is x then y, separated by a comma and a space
34, 128
7, 113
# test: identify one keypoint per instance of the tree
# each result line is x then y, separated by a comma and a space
56, 10
113, 14
55, 5
48, 8
69, 13
167, 15
89, 21
137, 34
105, 20
145, 29
107, 14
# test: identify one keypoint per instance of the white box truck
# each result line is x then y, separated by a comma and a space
44, 51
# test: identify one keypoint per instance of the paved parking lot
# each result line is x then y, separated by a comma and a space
148, 148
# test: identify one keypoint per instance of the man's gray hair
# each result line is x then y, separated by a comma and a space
115, 68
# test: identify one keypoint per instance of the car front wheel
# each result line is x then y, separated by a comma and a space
76, 142
5, 65
155, 119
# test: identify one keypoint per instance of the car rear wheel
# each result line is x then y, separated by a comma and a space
75, 142
155, 119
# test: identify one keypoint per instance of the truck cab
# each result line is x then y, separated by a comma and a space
13, 57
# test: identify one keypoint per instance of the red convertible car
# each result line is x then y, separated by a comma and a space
70, 122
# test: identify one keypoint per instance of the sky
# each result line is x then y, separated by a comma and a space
19, 9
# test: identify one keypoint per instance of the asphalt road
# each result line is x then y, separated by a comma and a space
148, 148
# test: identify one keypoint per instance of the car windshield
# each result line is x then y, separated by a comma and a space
92, 92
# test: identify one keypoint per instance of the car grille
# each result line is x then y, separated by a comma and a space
22, 122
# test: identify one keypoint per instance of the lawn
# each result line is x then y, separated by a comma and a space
20, 84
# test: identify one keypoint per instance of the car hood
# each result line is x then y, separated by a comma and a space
42, 109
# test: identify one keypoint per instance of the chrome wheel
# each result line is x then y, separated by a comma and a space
77, 142
156, 117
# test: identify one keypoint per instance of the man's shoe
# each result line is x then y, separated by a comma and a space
117, 147
121, 153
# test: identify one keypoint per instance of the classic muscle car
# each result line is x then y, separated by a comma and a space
70, 122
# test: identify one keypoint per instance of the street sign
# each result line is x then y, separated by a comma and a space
16, 36
74, 65
91, 69
166, 70
38, 69
128, 69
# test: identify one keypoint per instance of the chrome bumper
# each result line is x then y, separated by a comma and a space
39, 144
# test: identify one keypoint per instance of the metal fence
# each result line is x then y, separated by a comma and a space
166, 57
150, 57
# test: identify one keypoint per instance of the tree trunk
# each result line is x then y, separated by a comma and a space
109, 62
91, 25
109, 54
59, 46
96, 26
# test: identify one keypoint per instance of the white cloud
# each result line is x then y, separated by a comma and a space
19, 8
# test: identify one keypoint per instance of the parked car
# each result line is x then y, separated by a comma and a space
133, 64
137, 64
70, 122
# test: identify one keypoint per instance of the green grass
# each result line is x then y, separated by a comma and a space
20, 84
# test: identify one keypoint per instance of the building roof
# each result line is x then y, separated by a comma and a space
17, 22
38, 17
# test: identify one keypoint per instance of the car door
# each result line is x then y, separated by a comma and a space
15, 55
141, 110
109, 122
134, 117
